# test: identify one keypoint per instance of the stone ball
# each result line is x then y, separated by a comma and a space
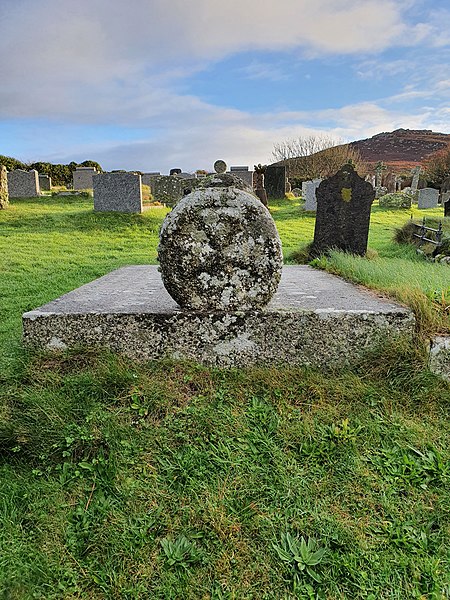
219, 250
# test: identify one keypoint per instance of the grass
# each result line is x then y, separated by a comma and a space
171, 480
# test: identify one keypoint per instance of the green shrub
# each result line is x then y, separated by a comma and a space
395, 200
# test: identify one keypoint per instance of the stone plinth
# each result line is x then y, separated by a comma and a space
23, 184
314, 319
118, 192
428, 198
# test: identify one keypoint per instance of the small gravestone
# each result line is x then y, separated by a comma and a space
343, 213
428, 198
275, 181
175, 171
243, 173
310, 194
220, 166
117, 192
4, 196
23, 184
45, 183
83, 178
219, 249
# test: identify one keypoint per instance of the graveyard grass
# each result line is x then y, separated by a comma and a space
170, 480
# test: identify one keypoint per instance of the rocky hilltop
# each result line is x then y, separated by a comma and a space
401, 149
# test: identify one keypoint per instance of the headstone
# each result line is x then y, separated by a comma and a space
83, 178
258, 182
444, 197
447, 208
174, 171
428, 198
343, 213
220, 166
390, 183
45, 183
118, 192
23, 184
310, 194
219, 249
4, 196
147, 177
415, 180
169, 189
275, 181
243, 173
379, 168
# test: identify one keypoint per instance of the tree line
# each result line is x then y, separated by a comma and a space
60, 174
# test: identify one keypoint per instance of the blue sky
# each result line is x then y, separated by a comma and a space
156, 84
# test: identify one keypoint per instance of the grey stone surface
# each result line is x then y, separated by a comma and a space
343, 213
4, 195
244, 174
275, 181
169, 189
83, 178
428, 198
45, 183
220, 166
310, 194
147, 178
118, 192
415, 179
439, 357
219, 249
23, 184
314, 319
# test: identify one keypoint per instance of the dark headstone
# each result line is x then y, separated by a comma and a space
343, 213
275, 181
175, 171
447, 208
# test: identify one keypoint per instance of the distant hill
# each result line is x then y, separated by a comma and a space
401, 149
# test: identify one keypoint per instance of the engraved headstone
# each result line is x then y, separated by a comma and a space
118, 192
4, 196
275, 181
23, 184
220, 166
219, 249
243, 173
428, 198
83, 178
310, 194
343, 213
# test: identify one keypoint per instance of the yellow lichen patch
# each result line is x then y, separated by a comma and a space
346, 194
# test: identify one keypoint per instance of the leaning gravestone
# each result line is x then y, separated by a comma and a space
4, 196
219, 248
118, 192
415, 180
310, 194
343, 213
428, 198
275, 181
23, 184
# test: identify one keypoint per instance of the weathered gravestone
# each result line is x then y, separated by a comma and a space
343, 213
147, 177
243, 173
83, 178
428, 198
169, 189
310, 194
447, 208
415, 180
275, 181
175, 171
219, 249
23, 184
118, 192
390, 183
4, 196
258, 183
45, 183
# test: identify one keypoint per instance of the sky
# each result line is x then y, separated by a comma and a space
152, 85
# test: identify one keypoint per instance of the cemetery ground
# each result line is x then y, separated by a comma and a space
172, 480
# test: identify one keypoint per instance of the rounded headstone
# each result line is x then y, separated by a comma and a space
220, 166
219, 250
